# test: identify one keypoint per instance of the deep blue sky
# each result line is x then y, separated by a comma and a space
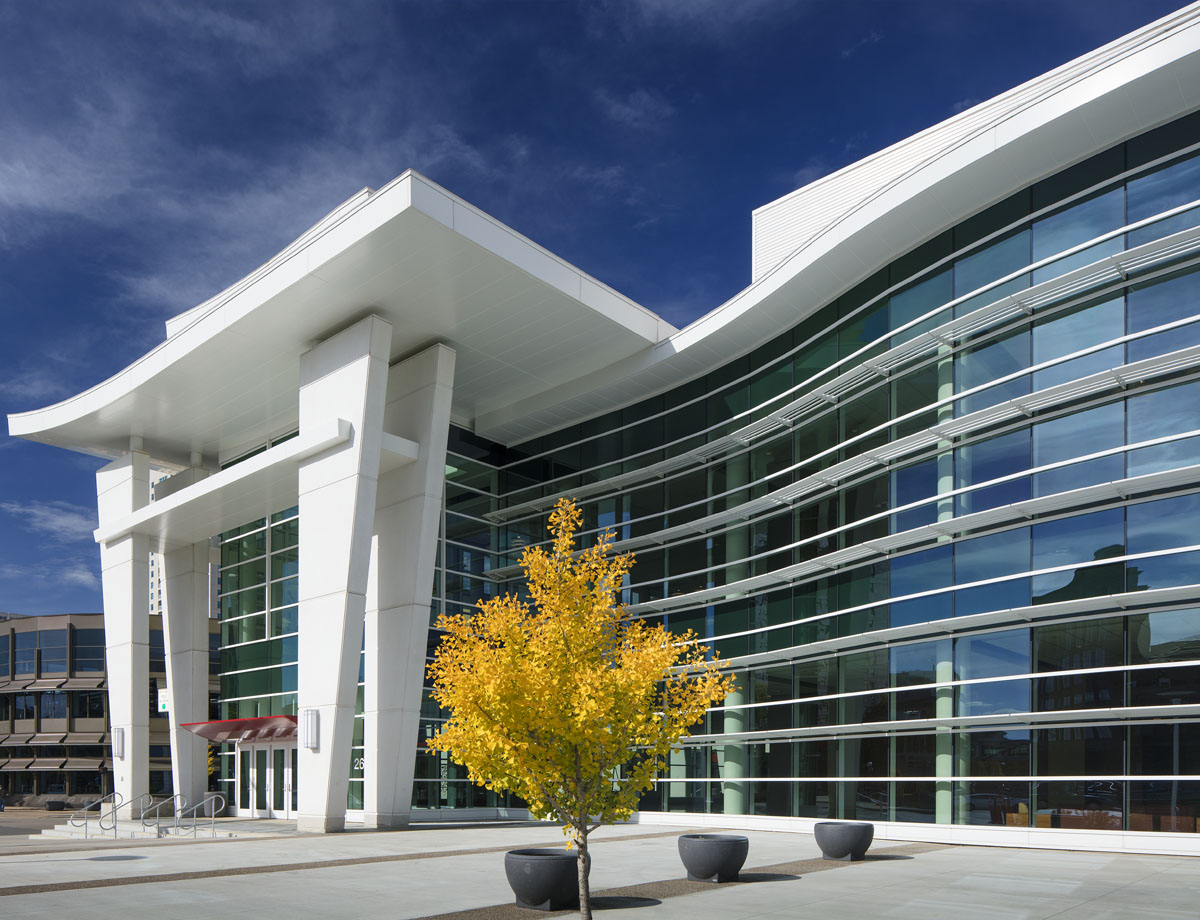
152, 153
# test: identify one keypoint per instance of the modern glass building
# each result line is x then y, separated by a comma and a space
929, 484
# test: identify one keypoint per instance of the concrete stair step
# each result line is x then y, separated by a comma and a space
125, 830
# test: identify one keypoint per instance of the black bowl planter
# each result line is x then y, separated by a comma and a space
545, 879
845, 840
713, 857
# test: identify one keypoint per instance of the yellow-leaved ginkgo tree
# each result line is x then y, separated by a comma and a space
565, 700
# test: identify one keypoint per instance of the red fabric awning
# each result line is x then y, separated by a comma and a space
261, 728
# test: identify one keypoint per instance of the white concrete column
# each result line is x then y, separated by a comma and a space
343, 377
407, 514
122, 487
186, 607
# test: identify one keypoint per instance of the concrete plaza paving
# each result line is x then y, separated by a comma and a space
457, 871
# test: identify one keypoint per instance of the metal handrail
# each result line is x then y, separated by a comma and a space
141, 803
194, 811
155, 811
83, 813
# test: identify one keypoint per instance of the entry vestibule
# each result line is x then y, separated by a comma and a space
265, 779
265, 760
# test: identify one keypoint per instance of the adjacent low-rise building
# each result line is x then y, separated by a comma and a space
55, 744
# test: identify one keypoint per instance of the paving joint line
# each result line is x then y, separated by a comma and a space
118, 881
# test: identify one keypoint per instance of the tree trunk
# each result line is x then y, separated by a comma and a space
585, 892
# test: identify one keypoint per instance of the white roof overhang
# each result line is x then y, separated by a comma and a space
521, 320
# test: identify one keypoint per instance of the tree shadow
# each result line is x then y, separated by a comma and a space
766, 877
622, 902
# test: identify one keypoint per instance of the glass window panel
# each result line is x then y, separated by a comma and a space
1081, 751
1163, 524
1079, 433
1078, 475
1163, 413
991, 655
866, 327
865, 756
992, 262
1160, 343
1167, 187
918, 300
999, 292
813, 679
927, 570
1164, 805
915, 756
1094, 805
1058, 267
911, 484
1168, 635
918, 663
993, 698
917, 390
863, 414
1082, 538
921, 610
1163, 571
1164, 749
999, 595
1164, 686
991, 459
1167, 456
1163, 301
814, 358
1080, 691
995, 753
984, 363
1078, 223
1005, 804
1092, 581
286, 563
1074, 330
1075, 646
992, 556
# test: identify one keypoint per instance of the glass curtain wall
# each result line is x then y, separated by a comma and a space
973, 477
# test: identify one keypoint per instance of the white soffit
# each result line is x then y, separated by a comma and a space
521, 320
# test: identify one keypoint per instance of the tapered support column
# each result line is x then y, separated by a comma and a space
407, 514
122, 487
185, 633
343, 377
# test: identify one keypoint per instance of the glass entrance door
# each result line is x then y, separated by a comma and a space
266, 786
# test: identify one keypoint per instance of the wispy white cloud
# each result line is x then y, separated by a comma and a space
38, 385
642, 109
699, 20
59, 520
871, 38
48, 575
813, 169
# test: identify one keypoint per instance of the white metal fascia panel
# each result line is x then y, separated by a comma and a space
253, 488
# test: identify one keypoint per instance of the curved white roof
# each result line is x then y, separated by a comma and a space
540, 344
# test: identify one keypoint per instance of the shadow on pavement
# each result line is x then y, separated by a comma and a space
619, 902
766, 877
